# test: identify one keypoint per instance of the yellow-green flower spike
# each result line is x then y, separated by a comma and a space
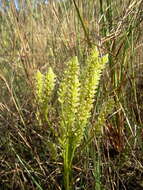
89, 84
69, 98
49, 84
44, 88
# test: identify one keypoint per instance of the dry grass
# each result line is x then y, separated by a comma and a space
49, 35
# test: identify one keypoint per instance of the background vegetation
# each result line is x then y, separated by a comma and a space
36, 35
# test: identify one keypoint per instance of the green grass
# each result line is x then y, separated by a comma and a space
33, 38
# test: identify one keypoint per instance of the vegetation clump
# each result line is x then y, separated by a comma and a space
71, 94
76, 96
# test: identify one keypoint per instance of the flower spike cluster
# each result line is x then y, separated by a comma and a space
44, 89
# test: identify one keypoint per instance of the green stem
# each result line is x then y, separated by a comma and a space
103, 29
82, 24
68, 167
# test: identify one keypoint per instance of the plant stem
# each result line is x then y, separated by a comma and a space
67, 167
